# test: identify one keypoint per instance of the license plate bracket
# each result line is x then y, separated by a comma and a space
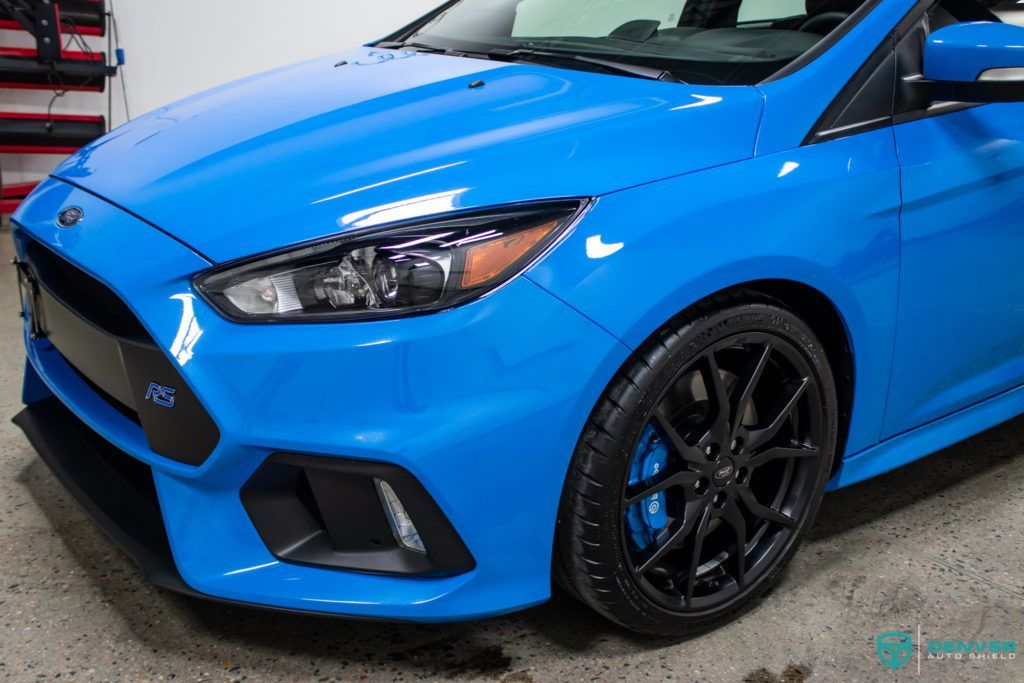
28, 288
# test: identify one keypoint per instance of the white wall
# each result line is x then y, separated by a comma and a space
178, 47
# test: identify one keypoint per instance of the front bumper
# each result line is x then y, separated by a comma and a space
481, 405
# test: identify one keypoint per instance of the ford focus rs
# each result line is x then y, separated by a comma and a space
605, 294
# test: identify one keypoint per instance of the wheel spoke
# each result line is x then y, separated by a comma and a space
744, 391
695, 549
715, 387
734, 518
693, 512
759, 437
689, 453
763, 511
646, 489
755, 419
780, 453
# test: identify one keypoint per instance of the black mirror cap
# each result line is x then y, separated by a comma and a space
973, 92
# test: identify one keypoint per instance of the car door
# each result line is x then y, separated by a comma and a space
960, 331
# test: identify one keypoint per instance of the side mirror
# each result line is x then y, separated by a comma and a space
978, 61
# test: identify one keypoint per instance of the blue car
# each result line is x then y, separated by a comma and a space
607, 294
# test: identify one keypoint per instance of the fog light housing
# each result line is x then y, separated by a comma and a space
336, 513
401, 523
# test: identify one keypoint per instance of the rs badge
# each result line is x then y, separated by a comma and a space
160, 395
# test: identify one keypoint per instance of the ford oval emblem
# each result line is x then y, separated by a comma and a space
70, 217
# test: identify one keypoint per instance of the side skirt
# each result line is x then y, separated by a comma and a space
930, 438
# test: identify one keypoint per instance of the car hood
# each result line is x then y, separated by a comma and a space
319, 148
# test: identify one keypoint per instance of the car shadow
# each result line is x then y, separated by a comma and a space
560, 628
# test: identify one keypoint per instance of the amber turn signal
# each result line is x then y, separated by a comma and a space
485, 262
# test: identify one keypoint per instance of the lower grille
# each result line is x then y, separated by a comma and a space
326, 512
117, 490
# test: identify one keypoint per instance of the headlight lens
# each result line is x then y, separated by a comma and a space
413, 268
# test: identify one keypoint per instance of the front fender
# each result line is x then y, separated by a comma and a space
826, 216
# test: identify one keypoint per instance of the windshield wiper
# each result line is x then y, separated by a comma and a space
636, 70
419, 47
541, 56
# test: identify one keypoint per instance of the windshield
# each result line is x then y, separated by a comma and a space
708, 42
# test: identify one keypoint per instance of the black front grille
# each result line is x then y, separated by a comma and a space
111, 351
117, 405
84, 294
132, 473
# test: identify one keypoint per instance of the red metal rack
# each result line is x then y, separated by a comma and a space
54, 24
48, 133
21, 68
87, 17
12, 195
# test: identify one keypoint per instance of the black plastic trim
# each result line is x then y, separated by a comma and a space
914, 100
326, 512
969, 92
94, 473
872, 88
825, 128
914, 97
86, 465
933, 111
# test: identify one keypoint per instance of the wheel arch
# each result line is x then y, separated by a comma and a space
603, 440
826, 319
823, 316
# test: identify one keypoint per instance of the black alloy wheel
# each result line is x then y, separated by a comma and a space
700, 469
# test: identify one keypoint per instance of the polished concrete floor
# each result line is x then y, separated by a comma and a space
938, 544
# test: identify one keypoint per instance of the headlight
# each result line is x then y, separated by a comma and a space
392, 271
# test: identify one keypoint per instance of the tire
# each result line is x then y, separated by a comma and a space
665, 407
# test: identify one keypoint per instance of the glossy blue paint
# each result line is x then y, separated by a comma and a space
405, 391
961, 52
910, 232
961, 327
397, 135
826, 216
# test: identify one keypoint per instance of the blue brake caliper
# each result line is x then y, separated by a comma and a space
648, 517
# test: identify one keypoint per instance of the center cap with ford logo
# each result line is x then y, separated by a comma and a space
723, 472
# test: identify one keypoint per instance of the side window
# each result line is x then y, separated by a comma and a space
1010, 11
770, 10
946, 12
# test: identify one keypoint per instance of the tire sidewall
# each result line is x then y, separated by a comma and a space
636, 390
